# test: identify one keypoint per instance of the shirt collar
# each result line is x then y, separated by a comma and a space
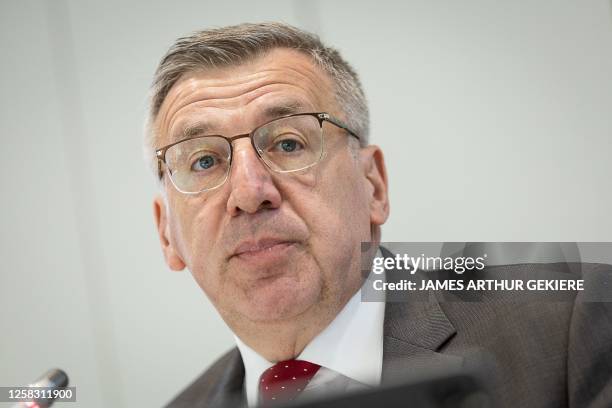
352, 344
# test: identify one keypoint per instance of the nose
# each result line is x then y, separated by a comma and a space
252, 187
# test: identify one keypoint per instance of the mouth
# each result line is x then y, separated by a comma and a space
263, 250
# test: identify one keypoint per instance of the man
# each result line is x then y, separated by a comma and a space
259, 135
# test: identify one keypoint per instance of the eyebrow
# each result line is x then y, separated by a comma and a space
193, 130
269, 113
287, 107
201, 128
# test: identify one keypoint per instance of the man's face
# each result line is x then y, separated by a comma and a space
269, 246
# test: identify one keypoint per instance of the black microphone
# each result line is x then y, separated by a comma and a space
53, 379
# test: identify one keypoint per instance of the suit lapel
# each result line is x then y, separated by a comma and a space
229, 391
414, 331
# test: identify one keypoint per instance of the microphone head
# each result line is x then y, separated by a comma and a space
55, 378
58, 377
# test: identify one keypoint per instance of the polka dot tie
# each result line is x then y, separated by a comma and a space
285, 380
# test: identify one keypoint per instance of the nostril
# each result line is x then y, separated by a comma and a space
264, 205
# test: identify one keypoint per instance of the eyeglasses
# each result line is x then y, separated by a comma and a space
286, 144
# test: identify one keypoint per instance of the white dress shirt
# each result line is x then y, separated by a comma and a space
349, 351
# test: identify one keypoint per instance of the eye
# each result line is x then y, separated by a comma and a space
204, 162
288, 145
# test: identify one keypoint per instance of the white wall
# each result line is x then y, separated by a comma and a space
495, 119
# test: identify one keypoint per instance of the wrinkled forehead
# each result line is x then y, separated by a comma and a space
241, 97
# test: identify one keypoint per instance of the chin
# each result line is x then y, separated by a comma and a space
280, 298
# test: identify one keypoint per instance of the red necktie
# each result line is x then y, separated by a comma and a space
285, 380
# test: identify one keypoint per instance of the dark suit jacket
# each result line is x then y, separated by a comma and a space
538, 352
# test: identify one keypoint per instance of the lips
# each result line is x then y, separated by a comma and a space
257, 246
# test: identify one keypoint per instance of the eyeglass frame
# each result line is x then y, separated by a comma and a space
320, 116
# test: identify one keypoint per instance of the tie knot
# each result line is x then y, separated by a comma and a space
285, 380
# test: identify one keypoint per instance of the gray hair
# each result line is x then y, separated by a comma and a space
233, 45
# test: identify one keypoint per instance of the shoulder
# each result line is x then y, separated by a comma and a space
590, 340
545, 343
550, 312
222, 381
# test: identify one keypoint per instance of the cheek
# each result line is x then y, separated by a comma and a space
336, 212
197, 231
346, 206
206, 265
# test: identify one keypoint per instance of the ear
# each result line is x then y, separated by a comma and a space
373, 162
173, 259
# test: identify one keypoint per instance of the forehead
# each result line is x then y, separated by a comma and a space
239, 98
